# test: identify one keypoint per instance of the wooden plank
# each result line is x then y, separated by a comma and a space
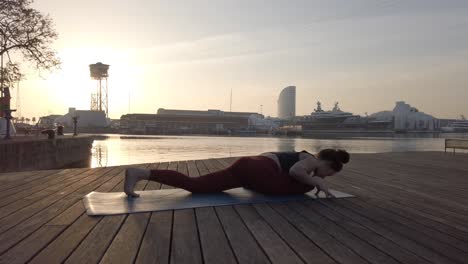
202, 169
185, 240
125, 245
399, 253
421, 218
70, 215
15, 218
192, 169
410, 176
133, 229
365, 188
59, 249
62, 246
400, 195
275, 248
428, 241
19, 231
333, 247
214, 243
46, 182
361, 247
213, 240
419, 182
182, 167
407, 222
420, 195
21, 199
103, 243
185, 247
156, 243
243, 244
27, 177
155, 247
96, 242
409, 171
307, 250
31, 245
223, 162
17, 176
214, 165
381, 229
93, 246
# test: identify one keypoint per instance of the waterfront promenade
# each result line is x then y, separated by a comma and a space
410, 208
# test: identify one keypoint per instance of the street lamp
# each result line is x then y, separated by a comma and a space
75, 120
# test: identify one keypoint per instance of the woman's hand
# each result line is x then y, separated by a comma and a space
302, 175
321, 185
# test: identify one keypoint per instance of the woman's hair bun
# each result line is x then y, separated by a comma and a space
334, 155
342, 155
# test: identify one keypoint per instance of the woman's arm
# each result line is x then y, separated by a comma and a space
303, 171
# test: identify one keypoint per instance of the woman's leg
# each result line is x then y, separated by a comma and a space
213, 182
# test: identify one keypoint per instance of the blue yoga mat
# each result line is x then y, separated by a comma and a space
113, 203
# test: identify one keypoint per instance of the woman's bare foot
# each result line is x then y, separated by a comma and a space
132, 176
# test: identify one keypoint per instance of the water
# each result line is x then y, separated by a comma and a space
147, 149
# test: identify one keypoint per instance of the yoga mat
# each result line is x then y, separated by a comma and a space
112, 203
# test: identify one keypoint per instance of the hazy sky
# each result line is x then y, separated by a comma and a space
366, 54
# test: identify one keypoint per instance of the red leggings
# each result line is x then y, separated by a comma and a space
257, 173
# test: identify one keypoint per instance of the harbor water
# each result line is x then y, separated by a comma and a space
125, 149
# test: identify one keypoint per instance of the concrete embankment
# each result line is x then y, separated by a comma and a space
33, 153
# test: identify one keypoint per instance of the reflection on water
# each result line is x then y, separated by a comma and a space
146, 149
99, 155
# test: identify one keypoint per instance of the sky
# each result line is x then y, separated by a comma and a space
174, 54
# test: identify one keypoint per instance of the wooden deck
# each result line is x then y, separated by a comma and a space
410, 208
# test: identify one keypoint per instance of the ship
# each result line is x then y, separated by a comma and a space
324, 120
460, 125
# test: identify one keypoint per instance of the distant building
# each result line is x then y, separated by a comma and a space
86, 118
171, 121
407, 118
137, 123
209, 112
287, 103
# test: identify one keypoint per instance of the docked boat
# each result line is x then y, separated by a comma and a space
457, 126
321, 119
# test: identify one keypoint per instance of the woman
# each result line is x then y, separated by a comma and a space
269, 173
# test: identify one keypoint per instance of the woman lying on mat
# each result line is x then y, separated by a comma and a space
268, 173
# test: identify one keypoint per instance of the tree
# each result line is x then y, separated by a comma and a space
26, 32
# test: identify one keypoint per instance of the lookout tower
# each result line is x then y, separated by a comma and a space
100, 99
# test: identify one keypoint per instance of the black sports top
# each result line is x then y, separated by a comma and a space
288, 159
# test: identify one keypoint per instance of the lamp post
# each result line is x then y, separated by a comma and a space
75, 120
